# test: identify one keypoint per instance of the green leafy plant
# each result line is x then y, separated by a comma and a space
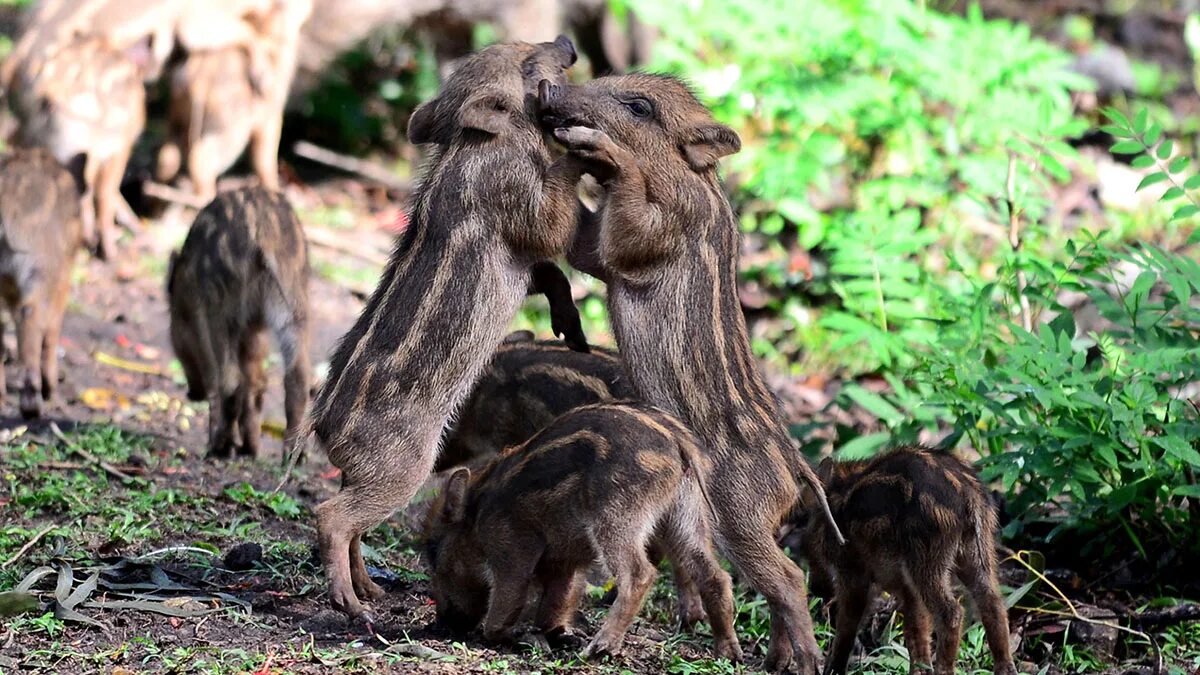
873, 133
1089, 430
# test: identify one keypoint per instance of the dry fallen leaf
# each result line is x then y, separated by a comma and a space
274, 429
99, 398
125, 364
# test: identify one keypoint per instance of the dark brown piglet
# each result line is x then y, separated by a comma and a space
594, 486
666, 241
488, 209
242, 272
916, 520
524, 388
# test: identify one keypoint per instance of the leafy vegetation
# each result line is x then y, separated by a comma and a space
1088, 428
874, 134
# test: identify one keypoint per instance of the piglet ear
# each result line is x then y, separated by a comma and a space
486, 112
702, 146
422, 124
455, 505
825, 470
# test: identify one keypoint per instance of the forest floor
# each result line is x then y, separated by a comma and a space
160, 560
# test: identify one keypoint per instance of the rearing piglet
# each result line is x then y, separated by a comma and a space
487, 210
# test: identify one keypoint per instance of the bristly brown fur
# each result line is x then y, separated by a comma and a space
667, 244
243, 271
916, 519
40, 231
594, 485
525, 386
488, 209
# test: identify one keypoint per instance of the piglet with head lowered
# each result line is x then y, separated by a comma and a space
488, 209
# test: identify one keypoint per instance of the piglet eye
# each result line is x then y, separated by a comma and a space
640, 107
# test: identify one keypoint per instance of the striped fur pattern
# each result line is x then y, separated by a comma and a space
40, 231
242, 272
82, 96
488, 209
667, 243
915, 519
612, 475
525, 386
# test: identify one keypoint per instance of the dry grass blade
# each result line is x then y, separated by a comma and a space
89, 457
1074, 614
28, 545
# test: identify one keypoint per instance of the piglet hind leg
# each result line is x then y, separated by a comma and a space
918, 631
938, 595
29, 346
697, 571
750, 544
979, 576
358, 507
364, 588
623, 551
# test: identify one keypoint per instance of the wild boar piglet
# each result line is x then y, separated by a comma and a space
242, 272
915, 520
666, 241
488, 210
595, 485
40, 231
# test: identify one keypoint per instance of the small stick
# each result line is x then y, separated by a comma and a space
368, 170
28, 545
173, 195
1014, 239
108, 468
331, 241
172, 549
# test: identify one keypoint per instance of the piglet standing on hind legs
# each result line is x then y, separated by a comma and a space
667, 245
487, 211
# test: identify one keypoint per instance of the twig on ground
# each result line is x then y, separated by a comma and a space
331, 241
87, 456
28, 545
354, 165
1073, 613
1161, 617
167, 193
172, 549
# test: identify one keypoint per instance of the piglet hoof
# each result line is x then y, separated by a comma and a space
535, 641
730, 650
691, 612
31, 404
368, 590
570, 329
602, 646
779, 657
564, 638
580, 138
